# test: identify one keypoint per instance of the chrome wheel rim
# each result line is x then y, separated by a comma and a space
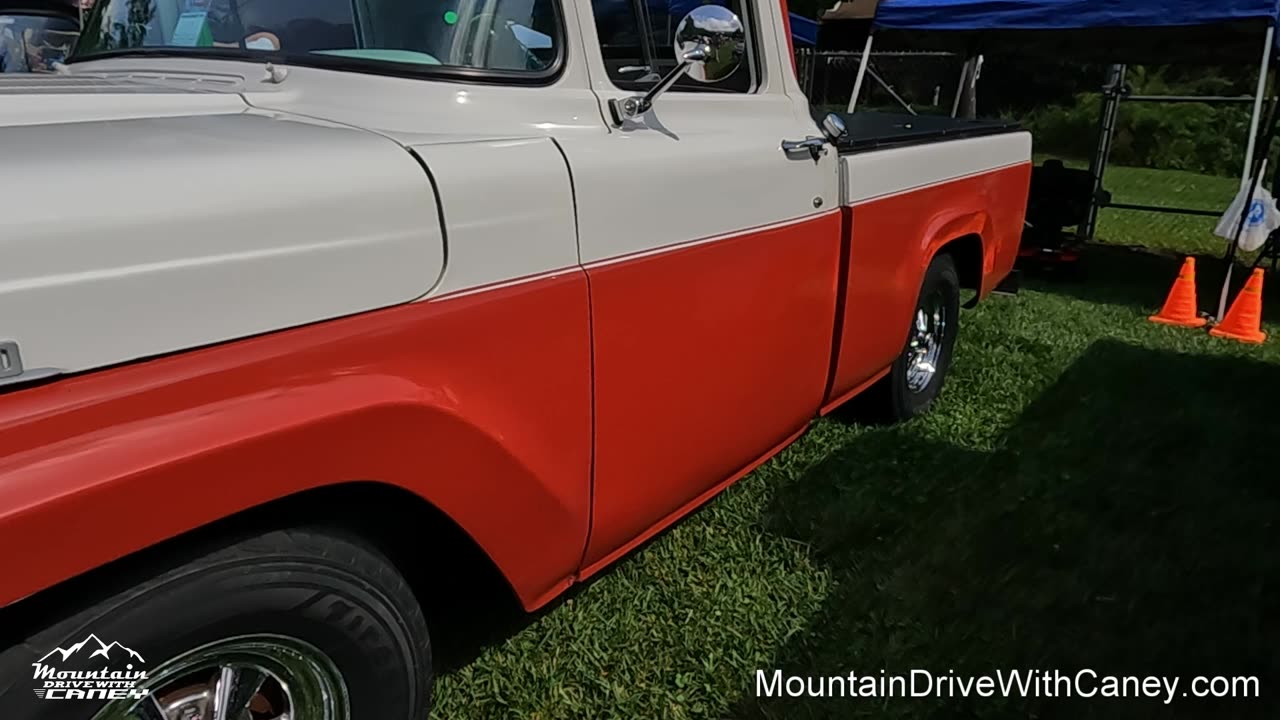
251, 677
925, 344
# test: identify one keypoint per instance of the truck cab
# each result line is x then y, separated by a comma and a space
353, 290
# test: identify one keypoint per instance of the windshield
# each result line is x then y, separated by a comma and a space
501, 35
33, 43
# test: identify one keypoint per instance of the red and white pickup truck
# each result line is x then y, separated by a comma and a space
302, 304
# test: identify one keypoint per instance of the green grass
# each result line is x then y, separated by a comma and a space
1167, 188
1092, 491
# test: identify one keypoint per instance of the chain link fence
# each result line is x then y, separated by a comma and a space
1182, 234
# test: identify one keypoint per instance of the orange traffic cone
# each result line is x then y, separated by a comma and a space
1244, 320
1180, 308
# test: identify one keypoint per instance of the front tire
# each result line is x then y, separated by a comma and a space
304, 624
917, 376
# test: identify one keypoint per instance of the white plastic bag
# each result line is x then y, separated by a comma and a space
1263, 218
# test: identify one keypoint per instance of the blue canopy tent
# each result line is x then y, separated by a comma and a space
1104, 30
1067, 14
804, 32
1206, 31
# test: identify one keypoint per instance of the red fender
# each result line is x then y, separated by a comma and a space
479, 404
961, 224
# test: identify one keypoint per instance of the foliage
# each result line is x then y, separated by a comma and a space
1198, 137
1186, 136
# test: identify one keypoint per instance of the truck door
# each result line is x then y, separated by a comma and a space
712, 258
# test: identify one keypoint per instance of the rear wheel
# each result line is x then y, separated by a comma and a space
917, 376
290, 625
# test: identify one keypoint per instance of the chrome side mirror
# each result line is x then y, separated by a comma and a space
710, 44
718, 34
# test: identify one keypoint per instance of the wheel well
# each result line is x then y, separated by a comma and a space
449, 573
967, 253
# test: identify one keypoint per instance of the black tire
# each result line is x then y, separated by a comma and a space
898, 399
332, 593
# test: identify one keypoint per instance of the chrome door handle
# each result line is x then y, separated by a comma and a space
815, 146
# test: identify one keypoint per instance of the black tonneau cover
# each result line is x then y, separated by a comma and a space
874, 130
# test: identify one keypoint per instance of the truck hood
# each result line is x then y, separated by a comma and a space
183, 218
50, 99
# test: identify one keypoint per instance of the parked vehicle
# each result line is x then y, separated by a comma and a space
306, 308
36, 34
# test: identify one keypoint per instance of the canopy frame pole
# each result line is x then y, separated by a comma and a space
1258, 97
889, 89
1247, 182
1113, 89
862, 71
971, 88
964, 76
1251, 188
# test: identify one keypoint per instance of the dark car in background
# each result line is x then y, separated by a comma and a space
36, 34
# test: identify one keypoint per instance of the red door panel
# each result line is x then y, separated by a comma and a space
706, 357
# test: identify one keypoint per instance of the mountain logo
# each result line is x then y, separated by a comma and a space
99, 649
104, 678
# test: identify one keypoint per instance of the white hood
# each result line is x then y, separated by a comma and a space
49, 99
140, 219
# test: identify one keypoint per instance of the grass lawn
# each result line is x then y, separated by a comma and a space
1175, 188
1093, 491
1167, 188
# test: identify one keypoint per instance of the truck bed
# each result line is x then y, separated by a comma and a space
876, 130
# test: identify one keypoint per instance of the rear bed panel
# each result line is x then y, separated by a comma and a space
876, 174
904, 204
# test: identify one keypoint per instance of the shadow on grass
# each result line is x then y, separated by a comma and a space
1141, 278
1126, 523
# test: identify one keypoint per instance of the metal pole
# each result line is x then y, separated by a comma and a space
1112, 90
803, 63
810, 67
826, 78
1257, 106
1190, 98
964, 75
889, 89
971, 96
862, 71
1250, 149
1255, 177
1251, 187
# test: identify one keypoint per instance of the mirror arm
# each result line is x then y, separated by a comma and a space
627, 108
691, 57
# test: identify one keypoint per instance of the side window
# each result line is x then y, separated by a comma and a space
636, 38
515, 37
